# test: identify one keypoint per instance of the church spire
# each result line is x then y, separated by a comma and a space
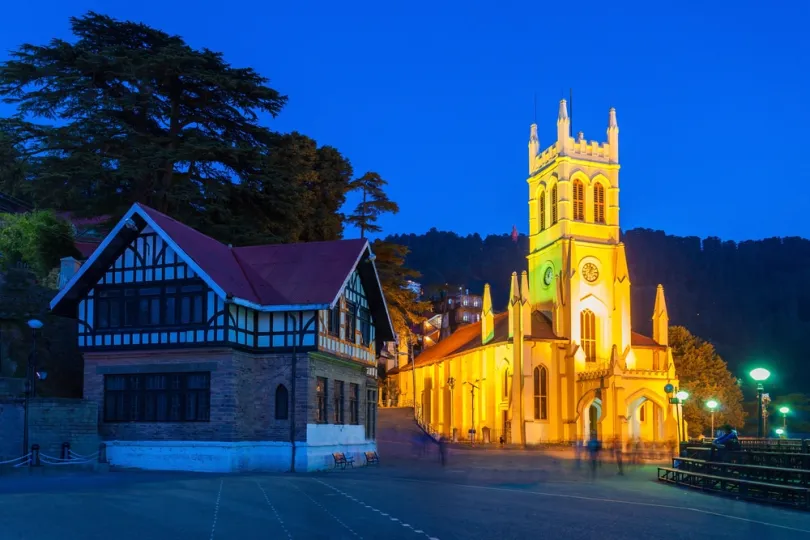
525, 304
660, 318
487, 319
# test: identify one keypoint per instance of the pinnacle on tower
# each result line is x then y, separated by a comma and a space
563, 129
525, 304
660, 318
613, 136
487, 319
534, 147
514, 303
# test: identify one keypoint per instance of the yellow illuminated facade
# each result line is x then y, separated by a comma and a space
562, 363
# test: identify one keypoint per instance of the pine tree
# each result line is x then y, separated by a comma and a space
374, 203
404, 307
128, 113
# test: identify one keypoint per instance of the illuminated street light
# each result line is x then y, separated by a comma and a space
760, 375
712, 405
780, 431
784, 410
682, 395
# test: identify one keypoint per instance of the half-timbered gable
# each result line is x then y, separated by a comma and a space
348, 328
156, 283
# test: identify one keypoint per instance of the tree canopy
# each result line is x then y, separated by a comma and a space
374, 203
705, 376
37, 240
404, 307
128, 113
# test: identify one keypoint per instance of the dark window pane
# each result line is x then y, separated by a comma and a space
154, 315
102, 313
185, 310
169, 310
115, 313
150, 291
191, 288
198, 309
143, 312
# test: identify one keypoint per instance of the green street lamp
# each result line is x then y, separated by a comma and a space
760, 375
784, 410
682, 396
780, 431
712, 405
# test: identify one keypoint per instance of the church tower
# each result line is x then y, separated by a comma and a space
577, 267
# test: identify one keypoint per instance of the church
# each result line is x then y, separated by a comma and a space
562, 363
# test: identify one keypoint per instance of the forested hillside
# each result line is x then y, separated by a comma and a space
750, 299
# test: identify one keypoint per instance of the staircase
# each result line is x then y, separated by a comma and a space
398, 433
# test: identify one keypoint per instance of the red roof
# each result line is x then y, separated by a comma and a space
468, 337
271, 274
640, 340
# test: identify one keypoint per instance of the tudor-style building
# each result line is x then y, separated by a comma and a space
208, 357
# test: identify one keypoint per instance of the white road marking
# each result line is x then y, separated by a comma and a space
273, 508
216, 509
395, 520
620, 501
322, 507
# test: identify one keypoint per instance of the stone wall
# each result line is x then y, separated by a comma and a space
11, 427
51, 422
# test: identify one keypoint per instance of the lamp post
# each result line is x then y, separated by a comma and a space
30, 377
712, 405
760, 375
780, 431
682, 396
451, 382
784, 410
473, 388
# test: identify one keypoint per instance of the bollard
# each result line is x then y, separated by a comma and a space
102, 453
65, 450
35, 455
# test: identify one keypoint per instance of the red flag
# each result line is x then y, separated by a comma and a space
514, 234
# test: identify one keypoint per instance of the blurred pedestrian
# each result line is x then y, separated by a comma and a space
617, 454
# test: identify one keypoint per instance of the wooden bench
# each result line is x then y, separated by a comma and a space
341, 460
372, 458
746, 489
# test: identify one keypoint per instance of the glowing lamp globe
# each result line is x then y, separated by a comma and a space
682, 395
760, 374
780, 431
712, 404
784, 410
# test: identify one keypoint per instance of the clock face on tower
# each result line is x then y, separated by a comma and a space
548, 276
590, 272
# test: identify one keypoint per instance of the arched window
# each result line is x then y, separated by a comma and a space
282, 403
554, 204
505, 383
579, 200
541, 211
587, 321
540, 393
598, 203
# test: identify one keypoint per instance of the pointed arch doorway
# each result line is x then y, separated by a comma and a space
592, 419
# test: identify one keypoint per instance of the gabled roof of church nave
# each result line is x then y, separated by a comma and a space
468, 337
271, 277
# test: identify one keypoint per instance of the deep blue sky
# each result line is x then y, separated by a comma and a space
437, 97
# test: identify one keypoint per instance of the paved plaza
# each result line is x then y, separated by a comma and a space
499, 494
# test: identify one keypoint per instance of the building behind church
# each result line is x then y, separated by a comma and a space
562, 363
207, 357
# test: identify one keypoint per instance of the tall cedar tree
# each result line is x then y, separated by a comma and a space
705, 376
374, 202
140, 116
404, 307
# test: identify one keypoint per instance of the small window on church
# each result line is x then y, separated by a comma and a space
554, 204
588, 323
579, 200
505, 384
541, 211
598, 203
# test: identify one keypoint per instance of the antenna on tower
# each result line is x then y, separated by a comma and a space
571, 112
